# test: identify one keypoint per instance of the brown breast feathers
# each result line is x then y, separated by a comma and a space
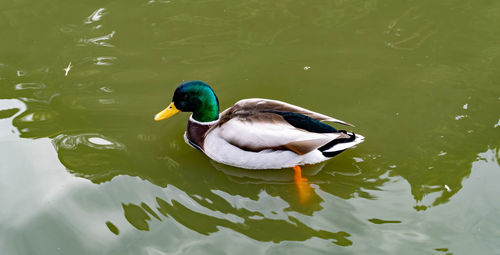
196, 133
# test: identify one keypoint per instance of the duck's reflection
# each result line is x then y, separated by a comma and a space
92, 154
253, 226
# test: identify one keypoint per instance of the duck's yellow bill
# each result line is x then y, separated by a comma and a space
167, 113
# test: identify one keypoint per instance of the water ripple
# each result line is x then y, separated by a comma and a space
95, 16
34, 85
100, 40
93, 140
104, 60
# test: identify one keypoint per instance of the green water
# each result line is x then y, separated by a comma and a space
84, 169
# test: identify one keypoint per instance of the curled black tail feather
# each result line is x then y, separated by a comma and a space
335, 142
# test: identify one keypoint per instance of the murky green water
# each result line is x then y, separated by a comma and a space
85, 169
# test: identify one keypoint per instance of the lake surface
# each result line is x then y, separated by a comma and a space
84, 169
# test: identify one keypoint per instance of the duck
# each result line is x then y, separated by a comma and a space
257, 133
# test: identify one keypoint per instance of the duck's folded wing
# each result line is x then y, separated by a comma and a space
270, 131
252, 105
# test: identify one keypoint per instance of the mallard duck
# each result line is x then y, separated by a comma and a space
257, 133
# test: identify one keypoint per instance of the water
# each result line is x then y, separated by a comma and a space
85, 169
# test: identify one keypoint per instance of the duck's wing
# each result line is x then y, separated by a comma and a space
260, 124
259, 104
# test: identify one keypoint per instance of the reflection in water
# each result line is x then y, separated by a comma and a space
93, 140
21, 73
92, 155
379, 221
22, 86
205, 222
95, 16
136, 216
104, 60
100, 40
112, 228
7, 113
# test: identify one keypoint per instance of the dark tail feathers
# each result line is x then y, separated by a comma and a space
335, 142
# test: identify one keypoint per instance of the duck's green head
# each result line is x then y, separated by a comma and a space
196, 97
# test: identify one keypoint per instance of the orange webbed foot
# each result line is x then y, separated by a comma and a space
302, 185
